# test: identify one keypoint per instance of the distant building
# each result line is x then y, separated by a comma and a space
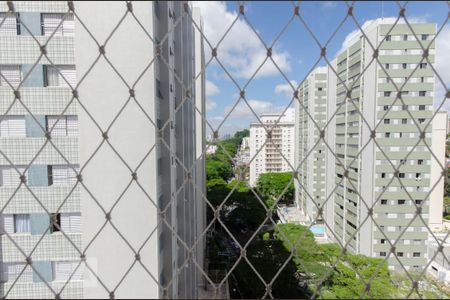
211, 149
439, 268
245, 143
311, 115
272, 144
359, 171
438, 138
243, 154
448, 125
225, 136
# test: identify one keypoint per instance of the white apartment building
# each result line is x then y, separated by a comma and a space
168, 197
274, 151
310, 118
439, 267
136, 209
362, 173
38, 137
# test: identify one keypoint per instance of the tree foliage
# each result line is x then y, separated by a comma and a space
343, 282
271, 185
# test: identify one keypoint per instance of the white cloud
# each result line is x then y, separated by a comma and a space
443, 65
286, 89
329, 4
240, 51
243, 111
210, 105
211, 88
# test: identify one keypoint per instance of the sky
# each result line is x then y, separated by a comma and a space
240, 50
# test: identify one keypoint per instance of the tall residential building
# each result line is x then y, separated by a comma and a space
310, 118
438, 163
362, 170
38, 137
136, 210
272, 144
161, 213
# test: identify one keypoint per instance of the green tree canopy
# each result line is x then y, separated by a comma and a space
271, 185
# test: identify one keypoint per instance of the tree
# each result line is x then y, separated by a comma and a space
267, 257
216, 168
217, 189
446, 206
271, 186
351, 272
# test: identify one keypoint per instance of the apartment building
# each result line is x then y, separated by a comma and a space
136, 210
310, 118
361, 169
40, 204
155, 200
272, 144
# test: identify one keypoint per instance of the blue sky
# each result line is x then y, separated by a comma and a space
295, 52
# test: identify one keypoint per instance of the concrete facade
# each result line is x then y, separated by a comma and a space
138, 208
311, 116
167, 160
361, 175
49, 206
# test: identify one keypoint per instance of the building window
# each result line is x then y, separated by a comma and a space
12, 74
383, 202
9, 176
50, 24
60, 75
10, 272
63, 270
400, 254
10, 24
416, 254
422, 94
421, 121
418, 202
15, 223
424, 37
405, 37
404, 121
420, 161
387, 121
401, 175
404, 66
387, 134
55, 220
386, 107
404, 107
388, 37
423, 65
62, 175
383, 175
401, 202
62, 125
71, 222
382, 253
387, 94
386, 66
12, 126
383, 241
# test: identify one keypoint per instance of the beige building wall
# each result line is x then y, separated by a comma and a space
438, 161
